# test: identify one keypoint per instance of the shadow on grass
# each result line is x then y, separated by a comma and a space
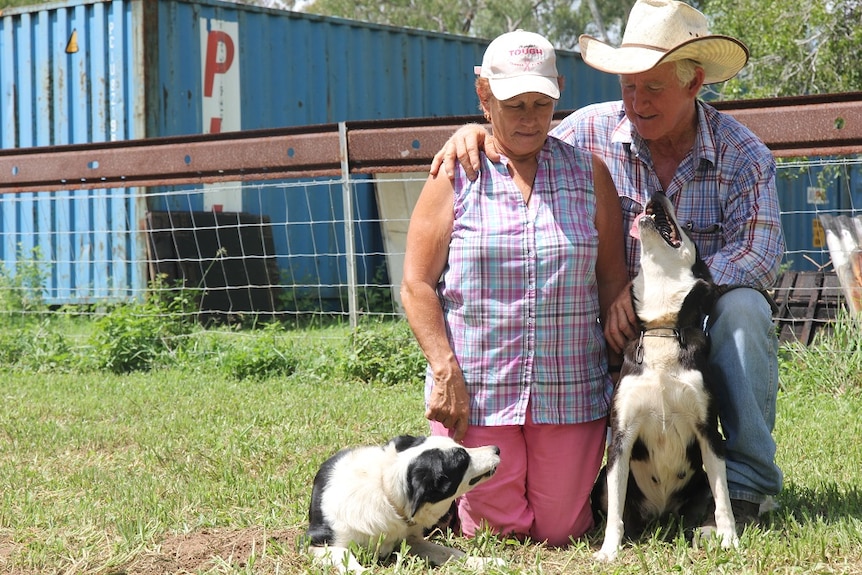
827, 502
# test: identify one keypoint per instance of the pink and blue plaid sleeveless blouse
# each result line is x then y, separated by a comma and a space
519, 293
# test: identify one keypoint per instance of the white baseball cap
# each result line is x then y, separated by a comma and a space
519, 62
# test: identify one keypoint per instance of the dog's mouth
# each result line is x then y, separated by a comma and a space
479, 478
656, 216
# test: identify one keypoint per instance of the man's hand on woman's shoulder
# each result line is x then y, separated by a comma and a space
464, 147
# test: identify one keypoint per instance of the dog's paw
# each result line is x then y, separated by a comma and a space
611, 543
482, 563
339, 558
606, 554
728, 539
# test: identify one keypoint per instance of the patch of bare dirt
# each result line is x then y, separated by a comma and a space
211, 548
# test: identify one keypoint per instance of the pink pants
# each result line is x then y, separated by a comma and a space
542, 486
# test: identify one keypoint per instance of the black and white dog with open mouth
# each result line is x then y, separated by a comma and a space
375, 497
666, 454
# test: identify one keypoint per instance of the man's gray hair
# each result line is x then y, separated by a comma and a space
685, 70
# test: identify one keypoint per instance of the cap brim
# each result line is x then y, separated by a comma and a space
721, 57
505, 88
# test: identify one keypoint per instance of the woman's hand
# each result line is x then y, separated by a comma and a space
449, 404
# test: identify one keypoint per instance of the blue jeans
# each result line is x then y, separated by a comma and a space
744, 364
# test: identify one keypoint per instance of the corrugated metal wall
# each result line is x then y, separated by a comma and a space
71, 74
81, 71
298, 69
804, 195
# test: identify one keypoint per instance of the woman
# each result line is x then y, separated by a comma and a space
505, 281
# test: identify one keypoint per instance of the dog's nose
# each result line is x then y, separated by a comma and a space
496, 450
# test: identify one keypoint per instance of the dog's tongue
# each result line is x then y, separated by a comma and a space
634, 231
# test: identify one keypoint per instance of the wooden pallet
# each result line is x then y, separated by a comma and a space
808, 302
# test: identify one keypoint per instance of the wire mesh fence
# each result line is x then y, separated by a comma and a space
292, 249
327, 245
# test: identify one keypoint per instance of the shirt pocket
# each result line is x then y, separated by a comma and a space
631, 208
707, 235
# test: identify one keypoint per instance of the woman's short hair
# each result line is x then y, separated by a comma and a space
483, 90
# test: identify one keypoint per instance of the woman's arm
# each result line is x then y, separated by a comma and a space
425, 259
617, 313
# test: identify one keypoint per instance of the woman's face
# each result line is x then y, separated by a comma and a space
521, 123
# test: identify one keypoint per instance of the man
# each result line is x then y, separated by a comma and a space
721, 180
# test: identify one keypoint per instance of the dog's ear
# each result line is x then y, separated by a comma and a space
418, 496
405, 442
708, 296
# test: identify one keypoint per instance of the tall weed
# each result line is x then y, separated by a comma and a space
133, 336
831, 364
21, 287
384, 352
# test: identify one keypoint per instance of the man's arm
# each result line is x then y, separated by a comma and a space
751, 226
464, 146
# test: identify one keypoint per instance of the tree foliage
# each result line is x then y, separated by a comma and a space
559, 20
796, 48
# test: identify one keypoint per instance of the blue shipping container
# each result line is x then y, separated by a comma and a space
83, 71
804, 194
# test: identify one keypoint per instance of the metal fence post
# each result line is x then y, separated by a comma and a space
349, 242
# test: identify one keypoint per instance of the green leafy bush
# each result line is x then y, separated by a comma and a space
266, 355
384, 352
133, 336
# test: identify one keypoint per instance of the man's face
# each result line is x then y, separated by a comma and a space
656, 103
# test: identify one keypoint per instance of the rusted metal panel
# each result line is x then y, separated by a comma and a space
162, 161
808, 304
829, 124
375, 146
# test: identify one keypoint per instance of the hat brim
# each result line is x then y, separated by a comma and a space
722, 57
505, 88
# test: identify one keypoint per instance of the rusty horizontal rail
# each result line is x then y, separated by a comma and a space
823, 125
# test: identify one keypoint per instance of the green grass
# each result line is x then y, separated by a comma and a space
198, 468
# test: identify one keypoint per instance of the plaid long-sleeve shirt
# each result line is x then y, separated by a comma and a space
723, 191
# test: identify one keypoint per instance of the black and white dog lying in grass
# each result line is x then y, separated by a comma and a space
666, 455
376, 497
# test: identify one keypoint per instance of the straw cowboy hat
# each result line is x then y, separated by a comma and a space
660, 31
